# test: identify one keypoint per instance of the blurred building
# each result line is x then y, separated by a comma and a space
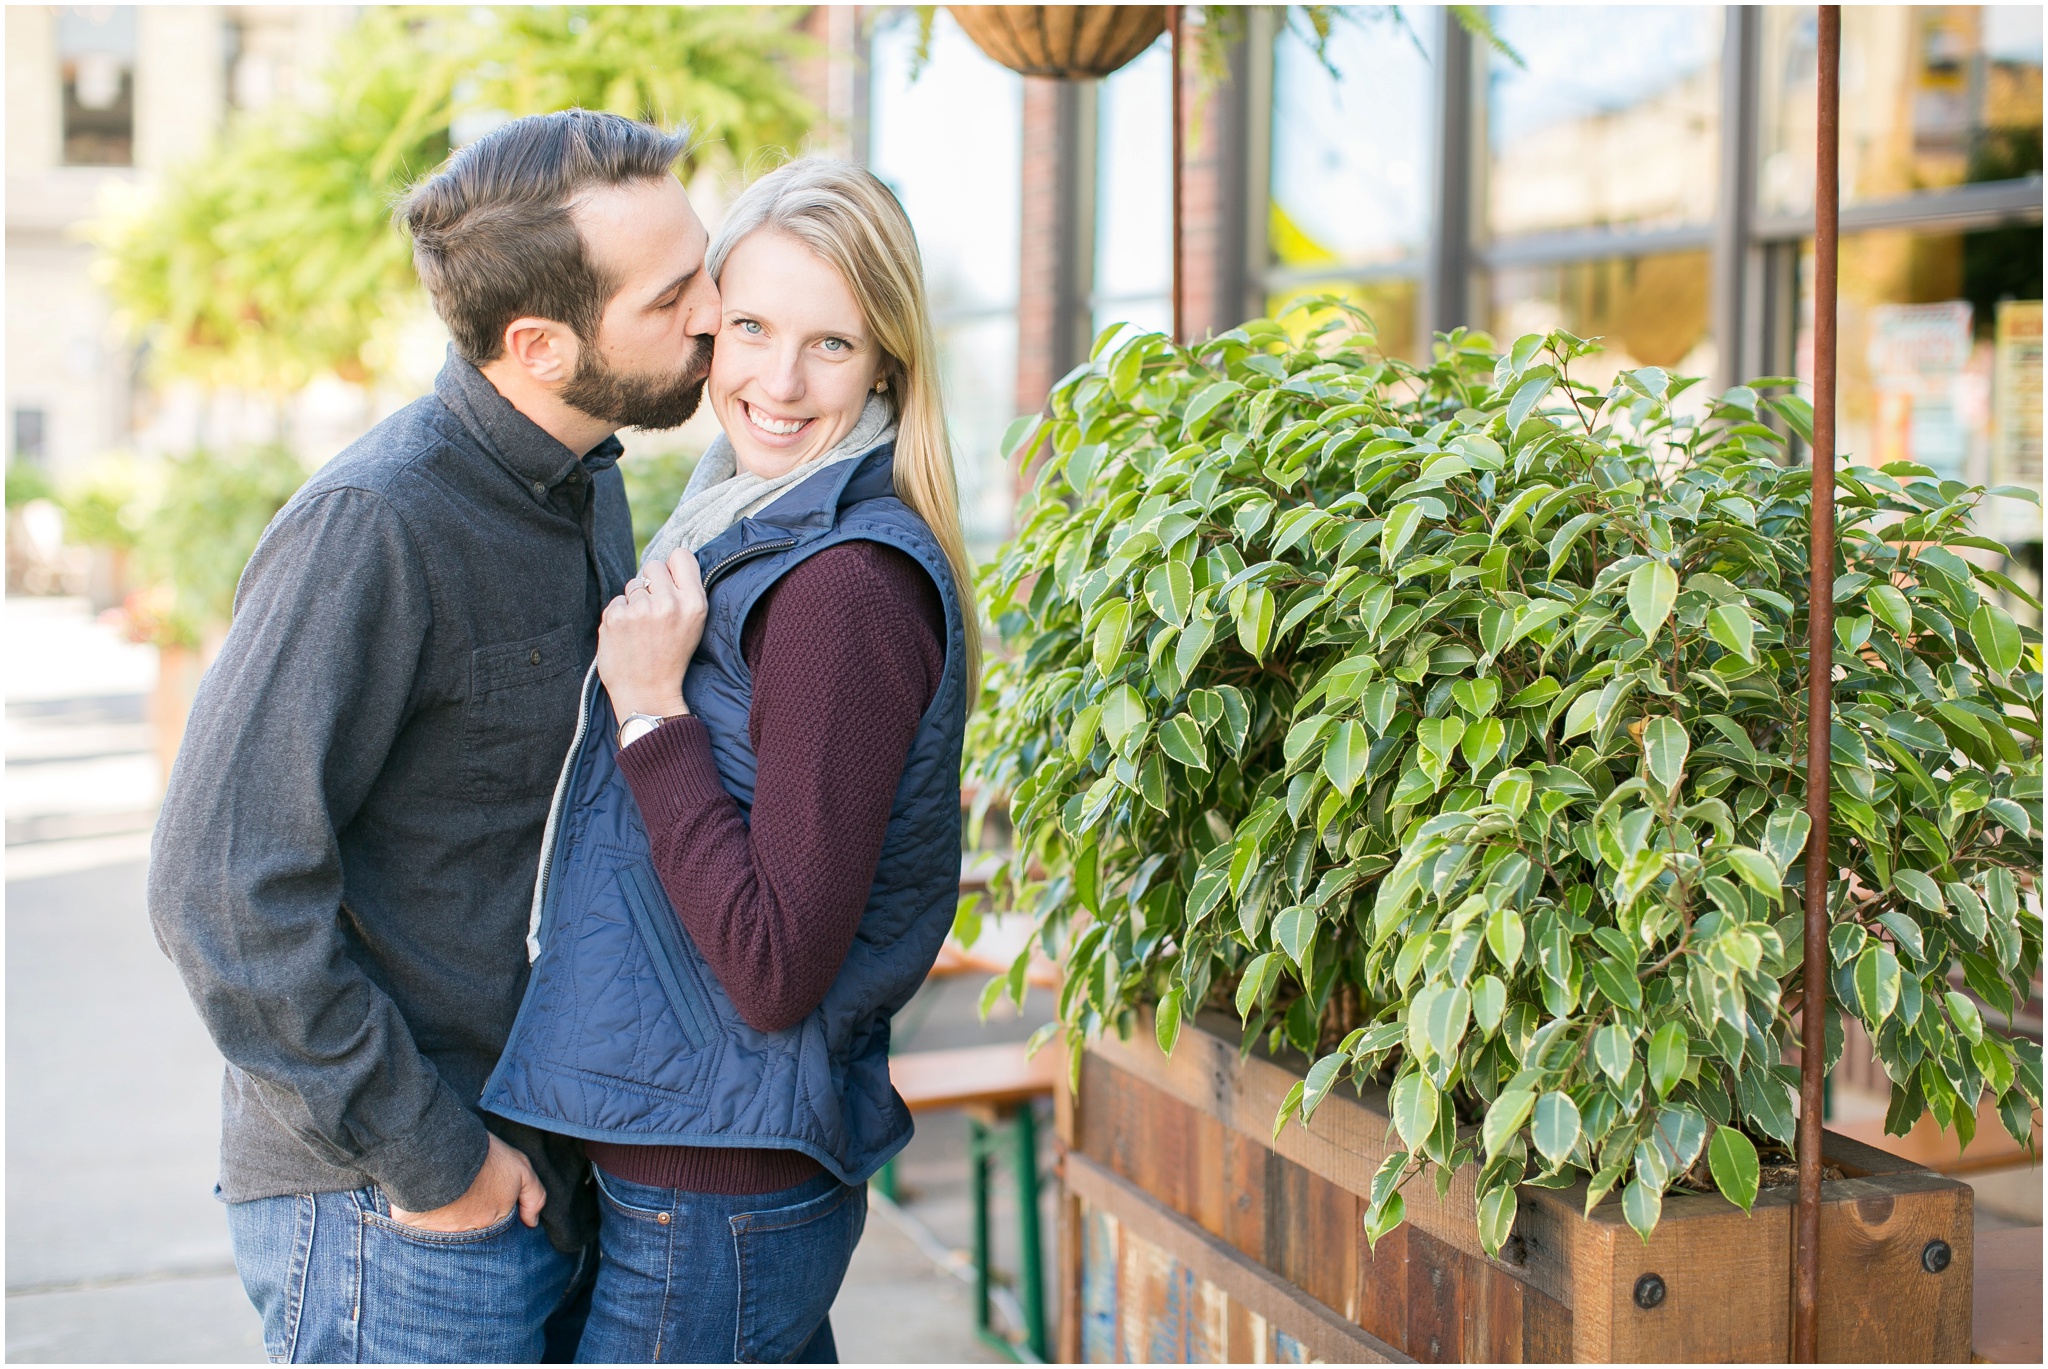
99, 100
1643, 174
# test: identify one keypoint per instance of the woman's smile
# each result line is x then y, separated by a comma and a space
772, 429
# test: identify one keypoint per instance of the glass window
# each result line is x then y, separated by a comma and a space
96, 52
1134, 193
1647, 311
1613, 119
949, 143
1914, 356
1932, 96
1352, 157
30, 429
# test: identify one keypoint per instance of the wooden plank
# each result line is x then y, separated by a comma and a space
1311, 1235
1345, 1144
1436, 1312
1576, 1276
1320, 1330
972, 1074
2006, 1302
1382, 1298
1873, 1231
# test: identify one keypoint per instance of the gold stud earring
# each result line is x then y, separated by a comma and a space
882, 384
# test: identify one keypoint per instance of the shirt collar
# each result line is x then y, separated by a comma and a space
515, 441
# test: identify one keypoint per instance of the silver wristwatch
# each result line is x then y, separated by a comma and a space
638, 725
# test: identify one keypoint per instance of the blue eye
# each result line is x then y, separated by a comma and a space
833, 344
750, 325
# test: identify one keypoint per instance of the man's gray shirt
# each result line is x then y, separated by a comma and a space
345, 861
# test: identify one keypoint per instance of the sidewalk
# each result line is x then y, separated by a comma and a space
116, 1250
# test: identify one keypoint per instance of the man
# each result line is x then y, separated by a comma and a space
346, 857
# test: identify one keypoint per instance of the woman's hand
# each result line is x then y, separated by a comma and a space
647, 635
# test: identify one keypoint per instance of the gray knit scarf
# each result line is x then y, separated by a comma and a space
720, 494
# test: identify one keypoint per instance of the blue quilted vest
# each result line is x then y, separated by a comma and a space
625, 1033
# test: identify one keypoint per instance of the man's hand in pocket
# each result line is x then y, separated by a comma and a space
506, 1181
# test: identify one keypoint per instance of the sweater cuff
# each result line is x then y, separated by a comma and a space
672, 773
437, 1162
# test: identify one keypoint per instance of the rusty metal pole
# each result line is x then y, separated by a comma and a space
1820, 665
1174, 14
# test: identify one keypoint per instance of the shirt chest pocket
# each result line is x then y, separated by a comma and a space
522, 714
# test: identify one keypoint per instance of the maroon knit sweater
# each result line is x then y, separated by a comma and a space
846, 652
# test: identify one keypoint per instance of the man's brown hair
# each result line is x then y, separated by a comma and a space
492, 234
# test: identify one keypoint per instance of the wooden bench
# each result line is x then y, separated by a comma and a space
996, 1086
1929, 1146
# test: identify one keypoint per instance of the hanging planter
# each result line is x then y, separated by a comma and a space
1064, 42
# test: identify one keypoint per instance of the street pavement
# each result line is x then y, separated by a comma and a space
117, 1251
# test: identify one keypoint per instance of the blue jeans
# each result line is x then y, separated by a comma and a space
338, 1282
705, 1278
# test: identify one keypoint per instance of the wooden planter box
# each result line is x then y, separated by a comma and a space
1190, 1235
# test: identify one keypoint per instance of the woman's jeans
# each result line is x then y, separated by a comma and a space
338, 1282
706, 1278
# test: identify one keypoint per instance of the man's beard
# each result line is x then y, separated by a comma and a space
633, 400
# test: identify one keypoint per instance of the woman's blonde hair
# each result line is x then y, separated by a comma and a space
850, 219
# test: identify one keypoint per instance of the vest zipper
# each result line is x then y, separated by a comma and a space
717, 572
550, 833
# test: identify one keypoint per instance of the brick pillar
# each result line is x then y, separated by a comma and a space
1219, 234
1056, 271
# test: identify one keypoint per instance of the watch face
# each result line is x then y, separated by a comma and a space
633, 730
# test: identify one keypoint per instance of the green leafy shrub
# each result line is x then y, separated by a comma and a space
198, 535
1448, 725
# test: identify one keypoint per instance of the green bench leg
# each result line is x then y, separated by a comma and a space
1031, 1278
982, 1143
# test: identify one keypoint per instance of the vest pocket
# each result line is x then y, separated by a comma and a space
662, 935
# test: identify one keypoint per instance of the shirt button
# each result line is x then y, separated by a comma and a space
662, 1218
540, 489
535, 658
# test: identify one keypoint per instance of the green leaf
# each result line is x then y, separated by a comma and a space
1891, 606
1344, 759
1504, 936
1122, 712
1380, 1221
1166, 1021
1192, 644
1965, 1015
1496, 1217
1920, 889
1665, 746
1733, 628
1414, 1102
1669, 1053
1181, 739
1613, 1051
1489, 1001
1505, 1117
1642, 1205
1557, 1127
1441, 1012
1258, 976
1732, 1159
1997, 637
1652, 590
1756, 870
1110, 633
1255, 623
1289, 1106
1292, 928
1170, 589
1400, 525
1877, 983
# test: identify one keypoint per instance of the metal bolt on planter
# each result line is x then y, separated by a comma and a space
1935, 1256
1650, 1292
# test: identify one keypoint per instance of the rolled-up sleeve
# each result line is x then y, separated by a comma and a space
286, 739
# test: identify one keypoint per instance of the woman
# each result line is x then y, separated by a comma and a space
754, 855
